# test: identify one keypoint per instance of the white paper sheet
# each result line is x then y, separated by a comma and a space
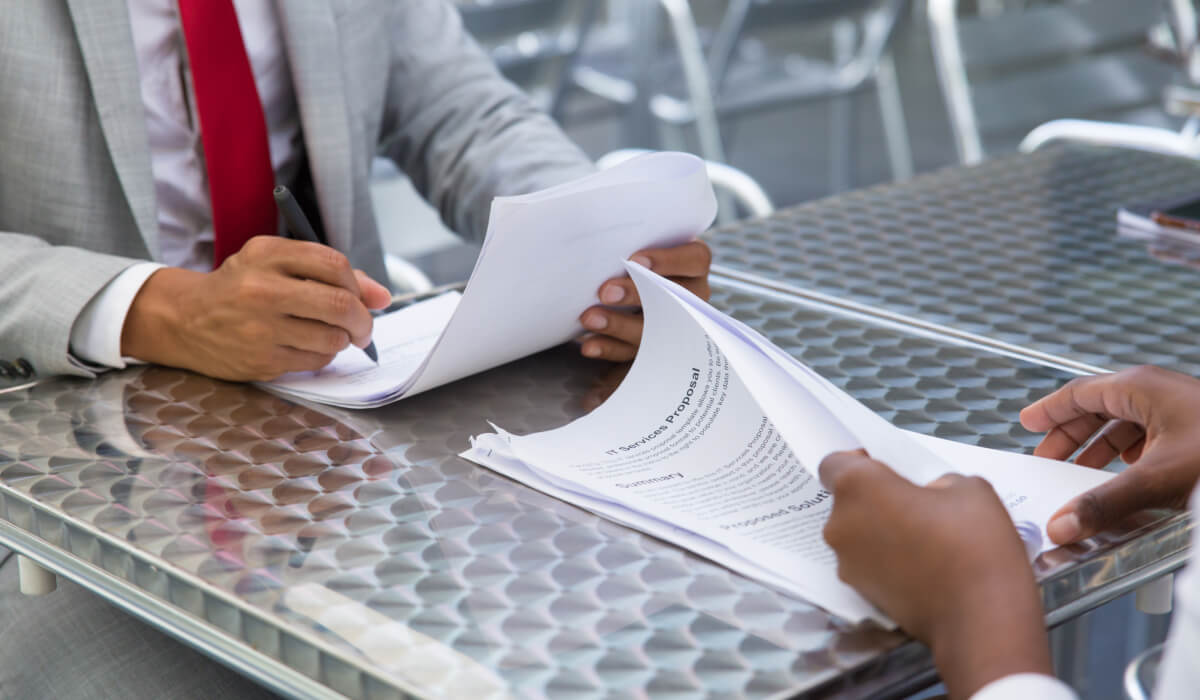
713, 441
403, 340
542, 263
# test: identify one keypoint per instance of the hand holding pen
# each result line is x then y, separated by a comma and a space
275, 306
301, 229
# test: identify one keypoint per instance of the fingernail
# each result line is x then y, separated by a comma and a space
612, 294
1064, 528
595, 321
643, 261
591, 351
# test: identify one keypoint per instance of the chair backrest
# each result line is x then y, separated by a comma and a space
750, 17
1003, 74
769, 13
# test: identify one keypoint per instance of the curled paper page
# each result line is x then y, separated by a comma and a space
713, 440
543, 259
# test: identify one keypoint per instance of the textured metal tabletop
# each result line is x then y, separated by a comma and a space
1022, 249
357, 549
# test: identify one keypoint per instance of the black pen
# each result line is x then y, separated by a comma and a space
298, 224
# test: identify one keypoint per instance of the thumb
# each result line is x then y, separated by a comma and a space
1144, 485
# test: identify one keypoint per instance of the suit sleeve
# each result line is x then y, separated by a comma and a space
43, 290
461, 131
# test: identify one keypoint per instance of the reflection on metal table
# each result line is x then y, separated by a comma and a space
1022, 251
326, 552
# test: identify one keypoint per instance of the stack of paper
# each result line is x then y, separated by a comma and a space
542, 263
713, 442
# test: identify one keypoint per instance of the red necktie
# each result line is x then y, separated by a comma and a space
233, 129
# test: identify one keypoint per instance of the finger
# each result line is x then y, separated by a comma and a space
688, 260
312, 336
1112, 441
1139, 487
1058, 407
598, 347
374, 294
696, 285
619, 291
1134, 452
841, 468
314, 261
1122, 395
1062, 441
328, 304
624, 326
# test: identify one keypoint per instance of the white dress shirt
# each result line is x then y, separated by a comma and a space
185, 232
1026, 686
1179, 675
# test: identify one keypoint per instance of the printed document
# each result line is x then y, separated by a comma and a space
543, 260
713, 442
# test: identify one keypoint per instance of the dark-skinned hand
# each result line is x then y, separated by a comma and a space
617, 332
1150, 417
945, 562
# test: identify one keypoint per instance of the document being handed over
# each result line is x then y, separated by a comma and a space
543, 259
713, 442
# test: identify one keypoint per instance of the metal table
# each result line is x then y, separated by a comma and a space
1020, 253
328, 552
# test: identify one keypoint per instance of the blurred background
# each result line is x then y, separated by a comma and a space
814, 97
807, 98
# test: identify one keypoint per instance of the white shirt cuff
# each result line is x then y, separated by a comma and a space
96, 334
1022, 686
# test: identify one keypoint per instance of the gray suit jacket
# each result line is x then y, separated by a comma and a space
393, 77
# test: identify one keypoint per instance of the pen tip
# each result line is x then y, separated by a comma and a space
371, 353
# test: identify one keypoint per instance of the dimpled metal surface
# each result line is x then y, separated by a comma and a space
1023, 249
449, 580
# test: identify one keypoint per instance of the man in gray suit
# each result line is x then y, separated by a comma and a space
106, 163
115, 211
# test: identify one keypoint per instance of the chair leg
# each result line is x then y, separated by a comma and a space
695, 74
952, 74
672, 137
842, 159
700, 93
891, 112
638, 127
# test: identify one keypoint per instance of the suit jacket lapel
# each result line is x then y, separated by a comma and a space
106, 41
311, 37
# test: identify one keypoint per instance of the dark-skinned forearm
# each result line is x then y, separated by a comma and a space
996, 630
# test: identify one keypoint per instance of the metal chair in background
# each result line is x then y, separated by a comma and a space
731, 71
533, 42
1018, 65
1176, 41
1142, 673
